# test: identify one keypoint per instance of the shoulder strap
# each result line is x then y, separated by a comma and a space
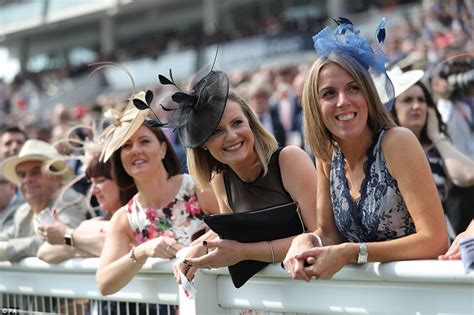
276, 155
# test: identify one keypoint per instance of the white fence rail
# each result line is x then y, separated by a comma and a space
406, 287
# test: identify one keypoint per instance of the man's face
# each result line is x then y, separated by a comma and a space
11, 143
7, 190
37, 188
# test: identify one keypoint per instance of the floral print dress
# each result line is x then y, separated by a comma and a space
380, 214
180, 219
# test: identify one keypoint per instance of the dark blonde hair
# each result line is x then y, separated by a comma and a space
202, 165
318, 137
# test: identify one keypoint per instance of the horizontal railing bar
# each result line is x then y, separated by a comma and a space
368, 289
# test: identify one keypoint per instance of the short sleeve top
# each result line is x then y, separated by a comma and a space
181, 219
380, 214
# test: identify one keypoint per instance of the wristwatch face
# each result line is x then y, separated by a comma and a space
362, 258
68, 239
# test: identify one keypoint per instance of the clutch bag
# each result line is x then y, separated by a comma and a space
260, 225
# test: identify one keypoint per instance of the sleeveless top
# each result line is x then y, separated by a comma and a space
437, 169
180, 219
265, 191
380, 214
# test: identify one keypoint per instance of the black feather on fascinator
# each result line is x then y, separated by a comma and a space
195, 114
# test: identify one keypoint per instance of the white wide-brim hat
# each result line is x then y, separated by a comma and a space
36, 150
402, 81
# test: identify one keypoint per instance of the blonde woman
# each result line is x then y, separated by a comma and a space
231, 152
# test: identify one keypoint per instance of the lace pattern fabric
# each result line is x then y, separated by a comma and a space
180, 219
380, 214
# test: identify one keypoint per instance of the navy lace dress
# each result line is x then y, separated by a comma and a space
380, 214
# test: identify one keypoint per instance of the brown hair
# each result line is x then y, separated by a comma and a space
170, 161
96, 168
430, 103
318, 137
202, 165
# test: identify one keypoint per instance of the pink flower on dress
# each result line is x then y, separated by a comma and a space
151, 215
139, 236
151, 232
192, 206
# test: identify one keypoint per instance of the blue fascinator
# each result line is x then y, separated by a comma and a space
346, 38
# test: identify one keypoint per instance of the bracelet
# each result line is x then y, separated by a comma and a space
271, 250
133, 257
438, 139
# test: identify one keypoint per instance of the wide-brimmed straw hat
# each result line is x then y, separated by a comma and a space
402, 81
36, 150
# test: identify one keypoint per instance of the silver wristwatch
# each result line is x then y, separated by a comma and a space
68, 239
362, 258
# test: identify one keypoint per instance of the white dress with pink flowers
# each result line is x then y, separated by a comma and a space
180, 219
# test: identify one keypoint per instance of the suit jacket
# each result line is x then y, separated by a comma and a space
278, 130
20, 239
7, 214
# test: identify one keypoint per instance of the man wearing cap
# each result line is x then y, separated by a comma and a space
39, 172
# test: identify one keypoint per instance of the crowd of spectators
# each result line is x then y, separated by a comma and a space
438, 41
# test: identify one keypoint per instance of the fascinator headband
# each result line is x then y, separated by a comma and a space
346, 38
196, 114
123, 124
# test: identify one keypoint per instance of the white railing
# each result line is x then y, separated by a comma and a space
406, 287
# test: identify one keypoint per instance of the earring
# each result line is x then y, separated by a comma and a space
204, 148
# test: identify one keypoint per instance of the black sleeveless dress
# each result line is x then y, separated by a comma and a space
264, 192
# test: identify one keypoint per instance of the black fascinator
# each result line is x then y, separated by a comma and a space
195, 114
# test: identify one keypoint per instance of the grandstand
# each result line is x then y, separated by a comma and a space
55, 40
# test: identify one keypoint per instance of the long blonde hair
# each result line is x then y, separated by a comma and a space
318, 137
202, 165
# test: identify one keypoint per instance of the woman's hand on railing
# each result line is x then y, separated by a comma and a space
53, 233
294, 265
324, 262
182, 255
161, 247
224, 253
